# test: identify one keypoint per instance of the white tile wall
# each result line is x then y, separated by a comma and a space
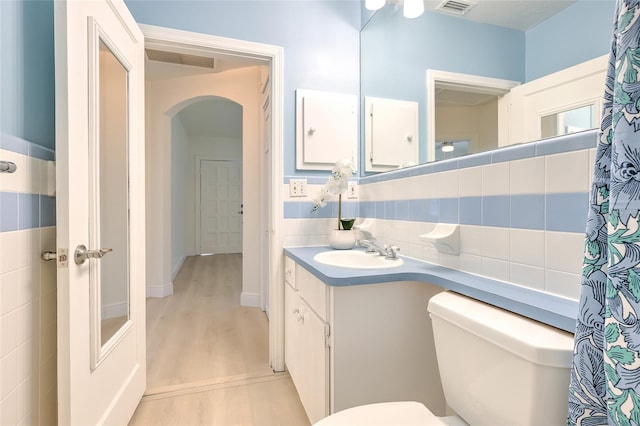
495, 179
520, 174
470, 182
27, 309
543, 260
568, 172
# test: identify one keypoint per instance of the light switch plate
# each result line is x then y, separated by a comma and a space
352, 190
297, 187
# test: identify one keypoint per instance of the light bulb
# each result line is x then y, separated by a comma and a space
447, 147
373, 4
413, 8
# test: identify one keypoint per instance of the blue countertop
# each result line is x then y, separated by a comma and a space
550, 309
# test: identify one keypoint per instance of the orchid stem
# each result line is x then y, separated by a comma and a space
339, 210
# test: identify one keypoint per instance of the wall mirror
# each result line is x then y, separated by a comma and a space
109, 226
521, 43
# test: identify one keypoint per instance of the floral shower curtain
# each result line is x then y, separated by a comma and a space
605, 378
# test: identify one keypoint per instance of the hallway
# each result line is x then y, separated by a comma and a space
207, 356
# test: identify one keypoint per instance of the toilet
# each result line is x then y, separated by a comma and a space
496, 368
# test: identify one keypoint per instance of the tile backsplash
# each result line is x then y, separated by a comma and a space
521, 209
27, 287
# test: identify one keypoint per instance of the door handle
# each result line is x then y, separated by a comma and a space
81, 254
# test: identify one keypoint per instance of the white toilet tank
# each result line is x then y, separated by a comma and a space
497, 367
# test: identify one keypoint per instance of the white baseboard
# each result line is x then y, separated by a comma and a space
160, 290
115, 310
250, 299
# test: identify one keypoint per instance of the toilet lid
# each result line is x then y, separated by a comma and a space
404, 413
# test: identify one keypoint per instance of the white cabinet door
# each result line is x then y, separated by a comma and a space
100, 204
306, 354
315, 364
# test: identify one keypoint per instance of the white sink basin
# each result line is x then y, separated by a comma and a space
356, 259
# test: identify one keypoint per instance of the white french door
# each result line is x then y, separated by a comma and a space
221, 207
100, 212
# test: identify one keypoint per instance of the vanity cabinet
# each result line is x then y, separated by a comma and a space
361, 344
306, 341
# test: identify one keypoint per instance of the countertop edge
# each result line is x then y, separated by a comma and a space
547, 308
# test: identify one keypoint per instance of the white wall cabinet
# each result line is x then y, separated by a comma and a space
361, 344
326, 129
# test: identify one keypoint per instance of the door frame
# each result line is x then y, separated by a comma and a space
465, 83
171, 40
198, 226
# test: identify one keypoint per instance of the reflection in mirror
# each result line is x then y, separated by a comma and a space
112, 275
523, 42
570, 121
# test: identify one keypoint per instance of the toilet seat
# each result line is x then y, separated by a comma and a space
403, 413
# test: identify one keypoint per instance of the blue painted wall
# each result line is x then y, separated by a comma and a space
398, 51
574, 35
320, 40
27, 79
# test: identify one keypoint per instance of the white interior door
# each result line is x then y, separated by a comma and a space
220, 206
100, 205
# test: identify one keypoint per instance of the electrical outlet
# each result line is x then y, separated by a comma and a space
297, 187
352, 190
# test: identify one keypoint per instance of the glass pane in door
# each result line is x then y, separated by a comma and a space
112, 198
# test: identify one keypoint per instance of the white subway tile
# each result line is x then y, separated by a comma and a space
19, 181
527, 276
495, 179
450, 261
9, 409
430, 254
527, 176
11, 329
494, 268
471, 263
16, 249
563, 284
567, 172
470, 182
412, 250
10, 366
402, 189
564, 251
448, 184
471, 239
9, 283
34, 185
495, 243
527, 247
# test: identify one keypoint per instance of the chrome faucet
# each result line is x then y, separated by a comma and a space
389, 252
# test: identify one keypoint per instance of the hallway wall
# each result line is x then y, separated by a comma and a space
166, 97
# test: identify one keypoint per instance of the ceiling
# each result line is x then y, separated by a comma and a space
516, 14
214, 118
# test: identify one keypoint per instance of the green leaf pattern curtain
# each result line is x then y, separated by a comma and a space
605, 376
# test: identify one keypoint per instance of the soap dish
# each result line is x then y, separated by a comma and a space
445, 237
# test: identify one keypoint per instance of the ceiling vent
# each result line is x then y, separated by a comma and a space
180, 58
456, 7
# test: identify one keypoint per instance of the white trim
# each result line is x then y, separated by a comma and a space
250, 299
162, 290
201, 44
473, 83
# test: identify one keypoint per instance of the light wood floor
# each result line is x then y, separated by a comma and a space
207, 356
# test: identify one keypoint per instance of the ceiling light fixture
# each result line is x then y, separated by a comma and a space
447, 147
413, 8
374, 4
